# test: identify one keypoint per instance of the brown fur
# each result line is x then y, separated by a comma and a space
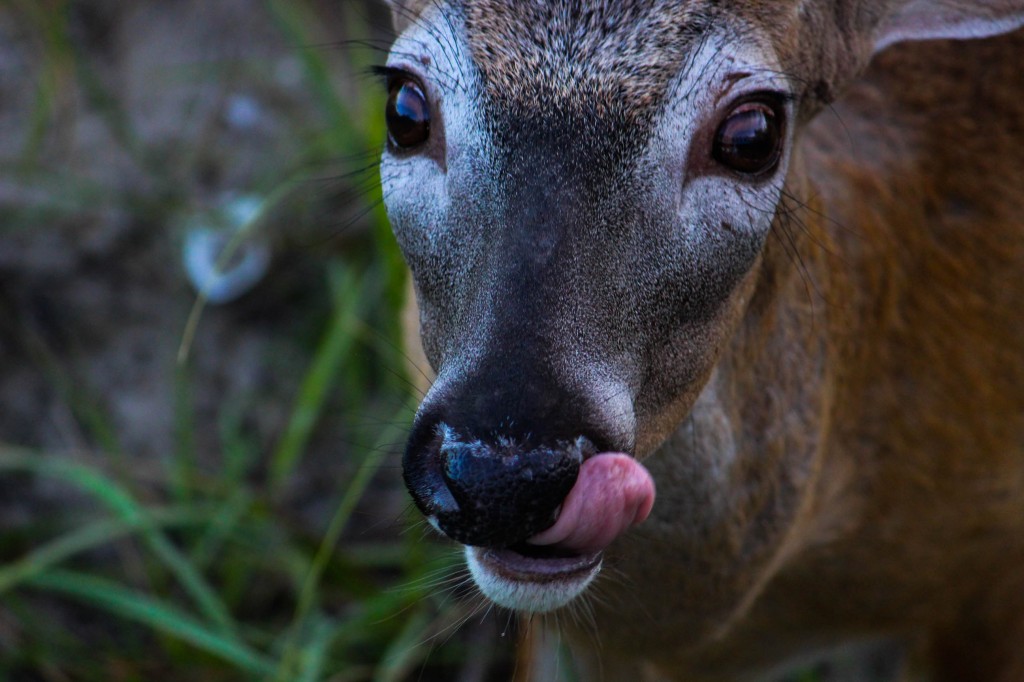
621, 55
909, 285
885, 338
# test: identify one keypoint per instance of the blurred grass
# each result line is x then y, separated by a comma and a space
208, 575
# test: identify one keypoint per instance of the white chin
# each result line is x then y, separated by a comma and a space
532, 584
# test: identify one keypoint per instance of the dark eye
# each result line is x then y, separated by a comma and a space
750, 139
408, 114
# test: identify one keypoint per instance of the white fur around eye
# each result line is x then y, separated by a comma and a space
722, 71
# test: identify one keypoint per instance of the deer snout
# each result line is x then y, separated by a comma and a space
489, 494
532, 475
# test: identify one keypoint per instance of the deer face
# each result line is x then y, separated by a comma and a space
583, 194
584, 235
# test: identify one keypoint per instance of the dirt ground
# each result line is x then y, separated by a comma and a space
193, 103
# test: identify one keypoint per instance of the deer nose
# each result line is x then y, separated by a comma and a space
490, 494
494, 452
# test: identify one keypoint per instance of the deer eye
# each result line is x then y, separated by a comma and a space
408, 114
749, 140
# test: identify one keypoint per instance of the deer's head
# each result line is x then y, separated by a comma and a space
583, 191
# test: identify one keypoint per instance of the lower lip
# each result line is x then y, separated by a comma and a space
512, 565
531, 581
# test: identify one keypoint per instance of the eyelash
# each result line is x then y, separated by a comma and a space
389, 74
779, 98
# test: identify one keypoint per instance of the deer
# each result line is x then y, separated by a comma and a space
722, 306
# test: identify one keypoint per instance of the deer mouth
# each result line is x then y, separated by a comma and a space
528, 563
524, 579
612, 493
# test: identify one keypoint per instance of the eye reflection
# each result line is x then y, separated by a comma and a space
408, 114
750, 139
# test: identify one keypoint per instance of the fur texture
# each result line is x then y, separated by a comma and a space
833, 405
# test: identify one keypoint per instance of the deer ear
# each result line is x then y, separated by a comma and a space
957, 19
404, 12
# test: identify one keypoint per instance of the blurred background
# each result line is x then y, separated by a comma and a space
203, 396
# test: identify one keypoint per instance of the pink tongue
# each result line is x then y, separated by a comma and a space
613, 493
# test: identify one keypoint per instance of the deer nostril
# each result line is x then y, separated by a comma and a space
494, 494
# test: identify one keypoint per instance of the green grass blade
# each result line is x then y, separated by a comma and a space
335, 345
294, 21
240, 451
307, 596
77, 394
56, 70
91, 536
158, 615
121, 503
314, 653
367, 470
224, 521
183, 465
406, 650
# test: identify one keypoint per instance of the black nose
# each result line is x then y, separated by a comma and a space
494, 452
489, 494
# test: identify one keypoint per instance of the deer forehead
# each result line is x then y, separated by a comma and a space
549, 133
605, 55
606, 71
